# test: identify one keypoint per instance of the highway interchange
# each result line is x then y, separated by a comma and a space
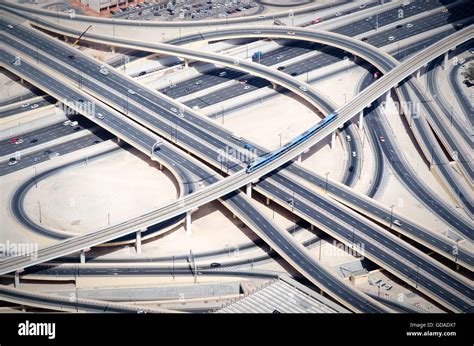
139, 117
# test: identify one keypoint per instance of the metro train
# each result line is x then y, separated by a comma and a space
280, 151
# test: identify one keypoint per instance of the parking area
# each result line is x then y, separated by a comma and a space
190, 10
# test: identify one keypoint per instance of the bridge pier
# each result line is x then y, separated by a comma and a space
361, 120
138, 241
387, 98
300, 158
186, 62
418, 73
83, 256
249, 190
333, 139
17, 278
188, 222
267, 201
446, 60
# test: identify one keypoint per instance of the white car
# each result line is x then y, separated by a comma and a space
348, 138
362, 6
10, 26
67, 122
222, 74
19, 141
174, 110
292, 33
34, 106
338, 14
73, 123
303, 88
196, 107
23, 105
247, 87
391, 38
354, 154
12, 161
100, 116
409, 25
104, 70
130, 91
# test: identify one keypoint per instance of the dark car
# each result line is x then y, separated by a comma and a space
34, 140
281, 68
47, 152
71, 56
294, 74
215, 265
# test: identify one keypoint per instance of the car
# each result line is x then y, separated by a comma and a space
290, 201
247, 87
47, 152
198, 82
471, 50
174, 110
261, 16
33, 140
391, 38
26, 104
293, 74
248, 146
257, 32
243, 81
77, 129
399, 26
382, 138
459, 25
281, 68
67, 122
368, 19
73, 123
215, 265
444, 10
157, 14
104, 70
237, 137
16, 140
71, 56
316, 20
80, 100
363, 39
9, 26
362, 5
351, 169
12, 161
303, 88
354, 154
409, 25
222, 74
397, 222
279, 57
338, 14
130, 91
142, 73
113, 12
292, 33
100, 116
348, 138
34, 106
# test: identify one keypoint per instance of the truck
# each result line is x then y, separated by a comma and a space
257, 56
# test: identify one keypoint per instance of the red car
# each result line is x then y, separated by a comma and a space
317, 20
242, 81
16, 140
382, 138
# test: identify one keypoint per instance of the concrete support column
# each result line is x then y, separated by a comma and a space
387, 98
83, 256
186, 63
160, 166
249, 190
118, 139
418, 73
274, 86
361, 120
446, 60
112, 49
299, 158
138, 242
188, 222
312, 227
333, 139
267, 200
17, 279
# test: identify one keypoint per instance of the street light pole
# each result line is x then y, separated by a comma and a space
391, 215
327, 173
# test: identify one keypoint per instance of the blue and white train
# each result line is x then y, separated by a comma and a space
301, 138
